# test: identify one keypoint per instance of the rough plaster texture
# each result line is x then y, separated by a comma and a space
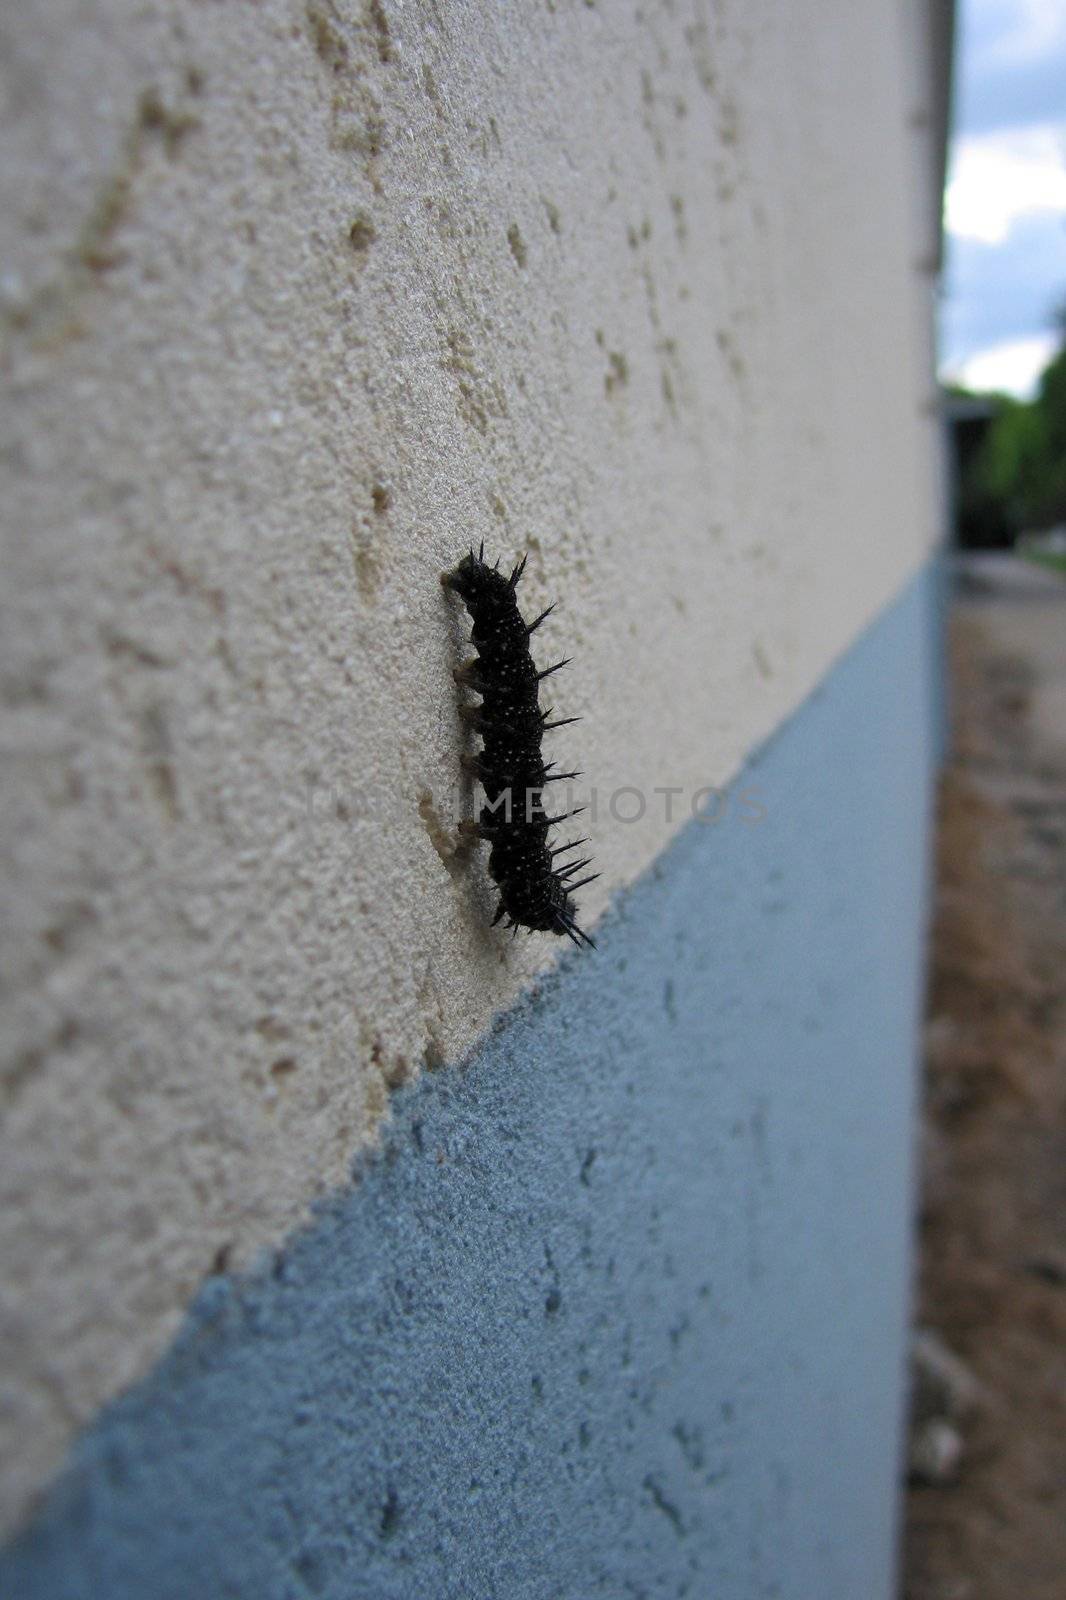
298, 299
620, 1309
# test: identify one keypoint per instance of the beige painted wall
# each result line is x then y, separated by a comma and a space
298, 300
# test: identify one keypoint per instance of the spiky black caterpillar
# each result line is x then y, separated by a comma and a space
534, 893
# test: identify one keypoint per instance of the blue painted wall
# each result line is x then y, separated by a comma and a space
620, 1309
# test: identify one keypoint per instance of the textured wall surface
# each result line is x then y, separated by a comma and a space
297, 299
620, 1309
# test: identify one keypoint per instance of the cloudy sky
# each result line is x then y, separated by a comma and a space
1005, 207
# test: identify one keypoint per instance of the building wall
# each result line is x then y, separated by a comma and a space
620, 1306
299, 300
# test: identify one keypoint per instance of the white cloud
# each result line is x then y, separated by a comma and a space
1010, 368
997, 178
1034, 27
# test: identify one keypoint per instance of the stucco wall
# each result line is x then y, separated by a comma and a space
621, 1308
299, 300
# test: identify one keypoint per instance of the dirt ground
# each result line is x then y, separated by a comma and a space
986, 1508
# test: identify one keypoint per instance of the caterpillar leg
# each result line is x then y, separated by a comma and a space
469, 677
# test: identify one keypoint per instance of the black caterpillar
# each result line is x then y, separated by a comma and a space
534, 893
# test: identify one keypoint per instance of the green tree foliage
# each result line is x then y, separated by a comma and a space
1016, 481
1048, 491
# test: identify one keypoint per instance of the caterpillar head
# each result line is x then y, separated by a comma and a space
480, 585
470, 578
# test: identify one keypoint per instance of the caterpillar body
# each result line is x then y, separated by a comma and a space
535, 893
